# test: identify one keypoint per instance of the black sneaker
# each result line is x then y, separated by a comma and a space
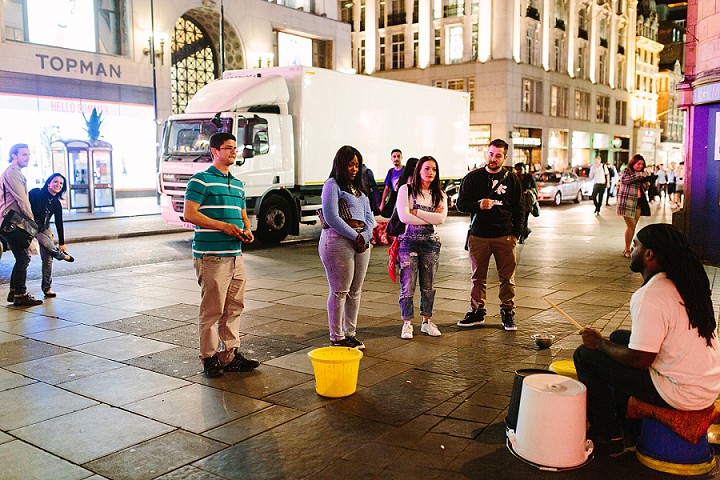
11, 296
26, 300
241, 364
345, 342
212, 367
508, 320
473, 318
356, 343
607, 444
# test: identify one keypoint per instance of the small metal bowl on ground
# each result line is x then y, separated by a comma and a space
543, 340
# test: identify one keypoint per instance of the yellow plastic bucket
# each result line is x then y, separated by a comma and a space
564, 367
336, 370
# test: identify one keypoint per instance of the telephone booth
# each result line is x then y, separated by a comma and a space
88, 170
102, 175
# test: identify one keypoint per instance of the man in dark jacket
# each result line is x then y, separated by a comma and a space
493, 198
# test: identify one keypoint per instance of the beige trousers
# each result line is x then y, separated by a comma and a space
222, 281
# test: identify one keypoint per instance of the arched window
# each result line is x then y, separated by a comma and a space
193, 62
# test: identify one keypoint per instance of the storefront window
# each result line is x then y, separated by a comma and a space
86, 25
479, 140
128, 127
193, 62
557, 150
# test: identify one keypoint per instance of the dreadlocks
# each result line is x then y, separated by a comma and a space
683, 267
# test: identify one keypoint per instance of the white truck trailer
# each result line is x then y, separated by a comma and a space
290, 121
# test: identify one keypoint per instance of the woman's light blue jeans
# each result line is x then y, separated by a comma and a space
345, 270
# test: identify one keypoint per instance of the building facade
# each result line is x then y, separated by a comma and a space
646, 132
135, 67
554, 77
671, 33
700, 96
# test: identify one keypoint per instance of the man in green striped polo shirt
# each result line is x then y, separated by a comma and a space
215, 204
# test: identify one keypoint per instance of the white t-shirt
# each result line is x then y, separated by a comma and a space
686, 372
598, 174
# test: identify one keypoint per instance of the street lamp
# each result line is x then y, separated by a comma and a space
156, 44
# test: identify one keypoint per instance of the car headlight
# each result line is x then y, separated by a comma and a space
547, 190
169, 177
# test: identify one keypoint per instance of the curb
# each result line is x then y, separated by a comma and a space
116, 236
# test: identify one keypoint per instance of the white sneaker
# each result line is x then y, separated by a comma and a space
407, 331
430, 328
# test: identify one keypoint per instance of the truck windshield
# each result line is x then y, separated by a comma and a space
192, 137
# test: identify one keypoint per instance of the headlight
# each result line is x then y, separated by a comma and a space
547, 190
169, 177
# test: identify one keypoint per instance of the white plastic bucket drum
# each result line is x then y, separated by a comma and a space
551, 424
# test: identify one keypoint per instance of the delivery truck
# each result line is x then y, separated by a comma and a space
290, 121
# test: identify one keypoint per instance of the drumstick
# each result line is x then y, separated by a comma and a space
580, 327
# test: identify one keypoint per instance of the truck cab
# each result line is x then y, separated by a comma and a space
265, 161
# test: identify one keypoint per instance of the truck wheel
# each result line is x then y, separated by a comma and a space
557, 199
274, 220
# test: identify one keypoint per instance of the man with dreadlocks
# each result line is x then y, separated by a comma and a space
671, 356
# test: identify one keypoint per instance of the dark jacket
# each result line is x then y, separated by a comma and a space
500, 220
44, 206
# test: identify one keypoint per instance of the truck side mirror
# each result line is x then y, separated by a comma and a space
248, 152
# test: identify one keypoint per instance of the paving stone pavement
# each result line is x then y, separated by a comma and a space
104, 380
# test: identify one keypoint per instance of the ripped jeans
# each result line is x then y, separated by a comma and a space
345, 270
418, 256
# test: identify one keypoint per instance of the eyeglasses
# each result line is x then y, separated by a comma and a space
229, 149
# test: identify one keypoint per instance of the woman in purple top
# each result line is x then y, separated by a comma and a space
344, 246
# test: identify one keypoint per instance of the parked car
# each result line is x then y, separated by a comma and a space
556, 187
583, 172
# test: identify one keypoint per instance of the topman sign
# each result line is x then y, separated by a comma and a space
72, 65
706, 94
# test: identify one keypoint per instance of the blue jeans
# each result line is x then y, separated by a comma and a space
48, 252
418, 257
345, 270
609, 386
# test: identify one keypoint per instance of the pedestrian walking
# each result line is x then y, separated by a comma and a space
344, 246
530, 195
631, 201
493, 198
215, 204
421, 205
600, 177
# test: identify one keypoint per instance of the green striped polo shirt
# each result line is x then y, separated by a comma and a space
221, 197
